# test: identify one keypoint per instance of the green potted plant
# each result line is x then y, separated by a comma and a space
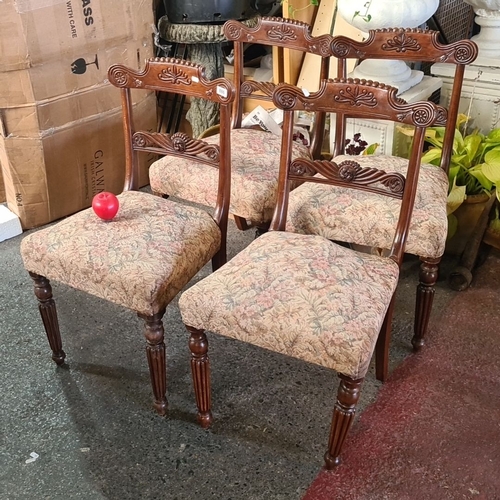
473, 175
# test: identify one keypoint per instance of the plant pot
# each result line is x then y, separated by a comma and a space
207, 11
467, 214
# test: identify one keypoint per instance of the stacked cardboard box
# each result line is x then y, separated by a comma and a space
61, 139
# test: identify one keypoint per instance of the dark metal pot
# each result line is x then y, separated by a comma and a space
208, 11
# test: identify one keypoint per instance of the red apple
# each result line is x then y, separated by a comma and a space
105, 205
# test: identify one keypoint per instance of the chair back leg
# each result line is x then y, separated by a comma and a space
200, 370
383, 343
428, 276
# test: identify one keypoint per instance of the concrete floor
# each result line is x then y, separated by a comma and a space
92, 422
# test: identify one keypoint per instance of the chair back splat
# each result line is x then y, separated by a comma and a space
356, 98
180, 77
411, 45
255, 152
283, 34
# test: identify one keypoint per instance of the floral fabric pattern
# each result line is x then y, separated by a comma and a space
300, 295
255, 157
140, 260
350, 215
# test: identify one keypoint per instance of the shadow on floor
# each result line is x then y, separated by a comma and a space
93, 426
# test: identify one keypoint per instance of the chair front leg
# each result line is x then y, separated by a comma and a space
343, 416
155, 350
428, 276
48, 312
200, 370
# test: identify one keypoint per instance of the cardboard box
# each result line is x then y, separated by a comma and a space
2, 189
55, 78
36, 32
56, 171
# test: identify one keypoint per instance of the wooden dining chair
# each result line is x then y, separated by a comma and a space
305, 296
255, 153
367, 218
144, 256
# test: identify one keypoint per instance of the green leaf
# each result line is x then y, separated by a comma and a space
478, 173
456, 197
371, 149
471, 145
492, 157
432, 156
494, 136
492, 172
314, 2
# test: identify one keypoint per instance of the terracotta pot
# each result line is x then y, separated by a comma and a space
467, 215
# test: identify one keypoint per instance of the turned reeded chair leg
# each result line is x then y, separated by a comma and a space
200, 369
343, 416
47, 308
155, 350
428, 276
383, 344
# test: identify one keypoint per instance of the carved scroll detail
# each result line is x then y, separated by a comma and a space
282, 33
342, 46
118, 76
421, 114
233, 30
178, 143
356, 97
249, 87
402, 43
174, 75
349, 172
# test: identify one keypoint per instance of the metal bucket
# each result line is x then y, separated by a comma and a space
208, 11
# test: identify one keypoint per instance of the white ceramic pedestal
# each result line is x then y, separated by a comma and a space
375, 14
488, 39
391, 72
385, 133
480, 98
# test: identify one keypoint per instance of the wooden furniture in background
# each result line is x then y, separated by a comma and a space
334, 208
255, 153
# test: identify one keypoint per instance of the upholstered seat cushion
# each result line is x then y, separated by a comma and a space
141, 259
354, 216
300, 295
255, 157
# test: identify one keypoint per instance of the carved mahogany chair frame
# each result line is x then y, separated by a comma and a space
166, 75
354, 98
283, 34
412, 45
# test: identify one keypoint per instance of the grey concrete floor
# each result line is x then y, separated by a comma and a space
95, 431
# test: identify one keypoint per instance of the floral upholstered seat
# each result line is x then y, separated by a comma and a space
255, 158
363, 218
117, 261
299, 295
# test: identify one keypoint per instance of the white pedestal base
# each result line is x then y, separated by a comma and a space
383, 132
400, 76
480, 98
